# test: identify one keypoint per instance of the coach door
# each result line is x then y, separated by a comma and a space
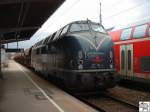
129, 56
126, 60
123, 60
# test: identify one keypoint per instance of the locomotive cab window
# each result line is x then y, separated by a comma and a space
38, 51
51, 37
65, 29
98, 28
46, 40
126, 34
79, 27
139, 31
40, 43
51, 48
44, 50
57, 34
86, 27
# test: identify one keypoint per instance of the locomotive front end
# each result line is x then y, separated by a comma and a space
91, 56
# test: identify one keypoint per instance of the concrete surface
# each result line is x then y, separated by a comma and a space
21, 90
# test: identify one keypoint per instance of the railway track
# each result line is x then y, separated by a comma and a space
122, 101
106, 103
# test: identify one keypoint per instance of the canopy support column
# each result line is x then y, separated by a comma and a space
1, 75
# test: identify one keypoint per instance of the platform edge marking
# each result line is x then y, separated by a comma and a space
43, 92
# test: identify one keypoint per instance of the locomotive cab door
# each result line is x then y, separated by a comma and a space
126, 60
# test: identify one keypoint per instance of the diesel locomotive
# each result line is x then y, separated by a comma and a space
80, 55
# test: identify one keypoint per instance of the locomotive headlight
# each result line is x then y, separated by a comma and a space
111, 59
80, 64
80, 67
111, 66
80, 61
111, 54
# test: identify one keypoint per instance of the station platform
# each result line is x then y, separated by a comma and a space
21, 90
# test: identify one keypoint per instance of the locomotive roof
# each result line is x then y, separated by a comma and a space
82, 21
52, 36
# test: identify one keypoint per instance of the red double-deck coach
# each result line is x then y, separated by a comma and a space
132, 51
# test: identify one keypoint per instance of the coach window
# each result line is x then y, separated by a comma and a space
139, 31
129, 60
149, 31
126, 34
122, 59
145, 63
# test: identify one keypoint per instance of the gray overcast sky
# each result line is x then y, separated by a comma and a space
116, 13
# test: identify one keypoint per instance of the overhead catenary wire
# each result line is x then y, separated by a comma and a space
66, 11
128, 9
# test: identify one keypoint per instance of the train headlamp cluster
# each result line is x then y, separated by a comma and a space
80, 64
110, 59
80, 61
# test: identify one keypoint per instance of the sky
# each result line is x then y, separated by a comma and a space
115, 13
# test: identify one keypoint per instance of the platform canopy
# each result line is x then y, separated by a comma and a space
20, 19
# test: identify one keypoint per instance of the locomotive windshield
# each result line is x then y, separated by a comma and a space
86, 27
98, 28
79, 27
